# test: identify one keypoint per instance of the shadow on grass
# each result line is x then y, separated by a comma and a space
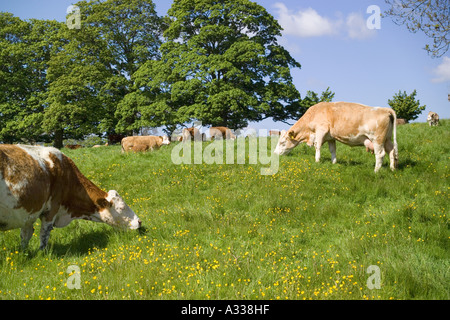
82, 244
406, 163
402, 164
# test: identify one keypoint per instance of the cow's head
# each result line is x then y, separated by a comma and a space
165, 140
115, 212
286, 143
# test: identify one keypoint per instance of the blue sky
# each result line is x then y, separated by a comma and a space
331, 41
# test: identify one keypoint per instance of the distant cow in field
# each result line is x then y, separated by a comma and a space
73, 146
40, 182
349, 123
401, 122
221, 133
100, 145
433, 118
274, 132
143, 143
193, 133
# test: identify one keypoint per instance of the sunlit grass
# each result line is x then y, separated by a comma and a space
228, 232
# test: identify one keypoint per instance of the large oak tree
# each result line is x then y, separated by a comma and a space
221, 64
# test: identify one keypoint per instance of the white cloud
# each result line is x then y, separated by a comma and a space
356, 27
442, 71
304, 23
309, 23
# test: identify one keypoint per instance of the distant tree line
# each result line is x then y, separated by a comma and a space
127, 68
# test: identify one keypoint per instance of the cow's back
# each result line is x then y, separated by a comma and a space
27, 180
354, 119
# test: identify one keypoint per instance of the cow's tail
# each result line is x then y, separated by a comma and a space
121, 144
394, 132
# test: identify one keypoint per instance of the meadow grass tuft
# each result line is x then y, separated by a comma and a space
227, 232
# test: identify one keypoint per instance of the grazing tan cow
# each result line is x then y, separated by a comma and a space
143, 143
433, 118
221, 133
350, 123
401, 122
40, 182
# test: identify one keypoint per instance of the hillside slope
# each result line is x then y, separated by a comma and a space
224, 231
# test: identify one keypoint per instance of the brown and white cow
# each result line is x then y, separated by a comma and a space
143, 143
433, 118
350, 123
40, 182
221, 133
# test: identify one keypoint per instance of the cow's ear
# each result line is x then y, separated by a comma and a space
291, 134
103, 203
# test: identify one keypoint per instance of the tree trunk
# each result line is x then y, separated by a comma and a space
224, 118
58, 139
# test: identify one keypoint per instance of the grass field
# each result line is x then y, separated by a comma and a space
311, 231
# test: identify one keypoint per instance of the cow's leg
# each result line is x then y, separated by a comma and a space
332, 147
25, 235
389, 147
46, 227
379, 155
317, 144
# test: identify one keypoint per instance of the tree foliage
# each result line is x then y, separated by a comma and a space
126, 69
406, 106
222, 64
25, 51
429, 16
98, 64
297, 109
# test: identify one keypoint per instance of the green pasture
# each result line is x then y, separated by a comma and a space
225, 231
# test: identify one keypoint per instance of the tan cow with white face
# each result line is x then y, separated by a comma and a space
39, 182
350, 123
